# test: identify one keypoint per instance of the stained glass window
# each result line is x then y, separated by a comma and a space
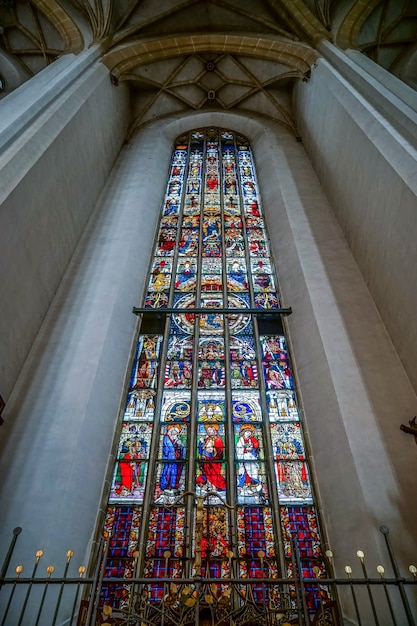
211, 420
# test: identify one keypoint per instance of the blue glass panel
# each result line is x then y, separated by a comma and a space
166, 532
117, 595
300, 525
255, 531
176, 406
160, 568
122, 527
246, 406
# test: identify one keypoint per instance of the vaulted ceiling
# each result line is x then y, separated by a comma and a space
178, 55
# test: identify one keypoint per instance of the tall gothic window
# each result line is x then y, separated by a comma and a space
211, 476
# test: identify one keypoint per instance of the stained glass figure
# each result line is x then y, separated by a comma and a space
180, 347
210, 450
160, 275
262, 276
219, 444
166, 241
211, 323
211, 407
216, 541
186, 279
237, 276
170, 474
211, 348
251, 479
145, 366
235, 243
243, 374
128, 483
287, 441
212, 237
211, 374
178, 374
293, 482
274, 377
188, 243
242, 348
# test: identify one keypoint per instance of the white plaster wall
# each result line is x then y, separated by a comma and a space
62, 415
368, 171
51, 174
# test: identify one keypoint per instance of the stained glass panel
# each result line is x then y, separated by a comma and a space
287, 441
166, 532
293, 482
215, 454
255, 531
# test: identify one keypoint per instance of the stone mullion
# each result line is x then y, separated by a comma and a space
268, 451
153, 453
190, 483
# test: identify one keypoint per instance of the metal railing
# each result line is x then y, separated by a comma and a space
39, 600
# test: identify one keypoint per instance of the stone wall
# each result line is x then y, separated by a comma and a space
60, 134
362, 141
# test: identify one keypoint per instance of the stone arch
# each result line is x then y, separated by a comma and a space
124, 58
64, 24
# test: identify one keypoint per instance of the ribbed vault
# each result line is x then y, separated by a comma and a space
184, 35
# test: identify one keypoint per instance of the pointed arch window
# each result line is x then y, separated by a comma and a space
211, 475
